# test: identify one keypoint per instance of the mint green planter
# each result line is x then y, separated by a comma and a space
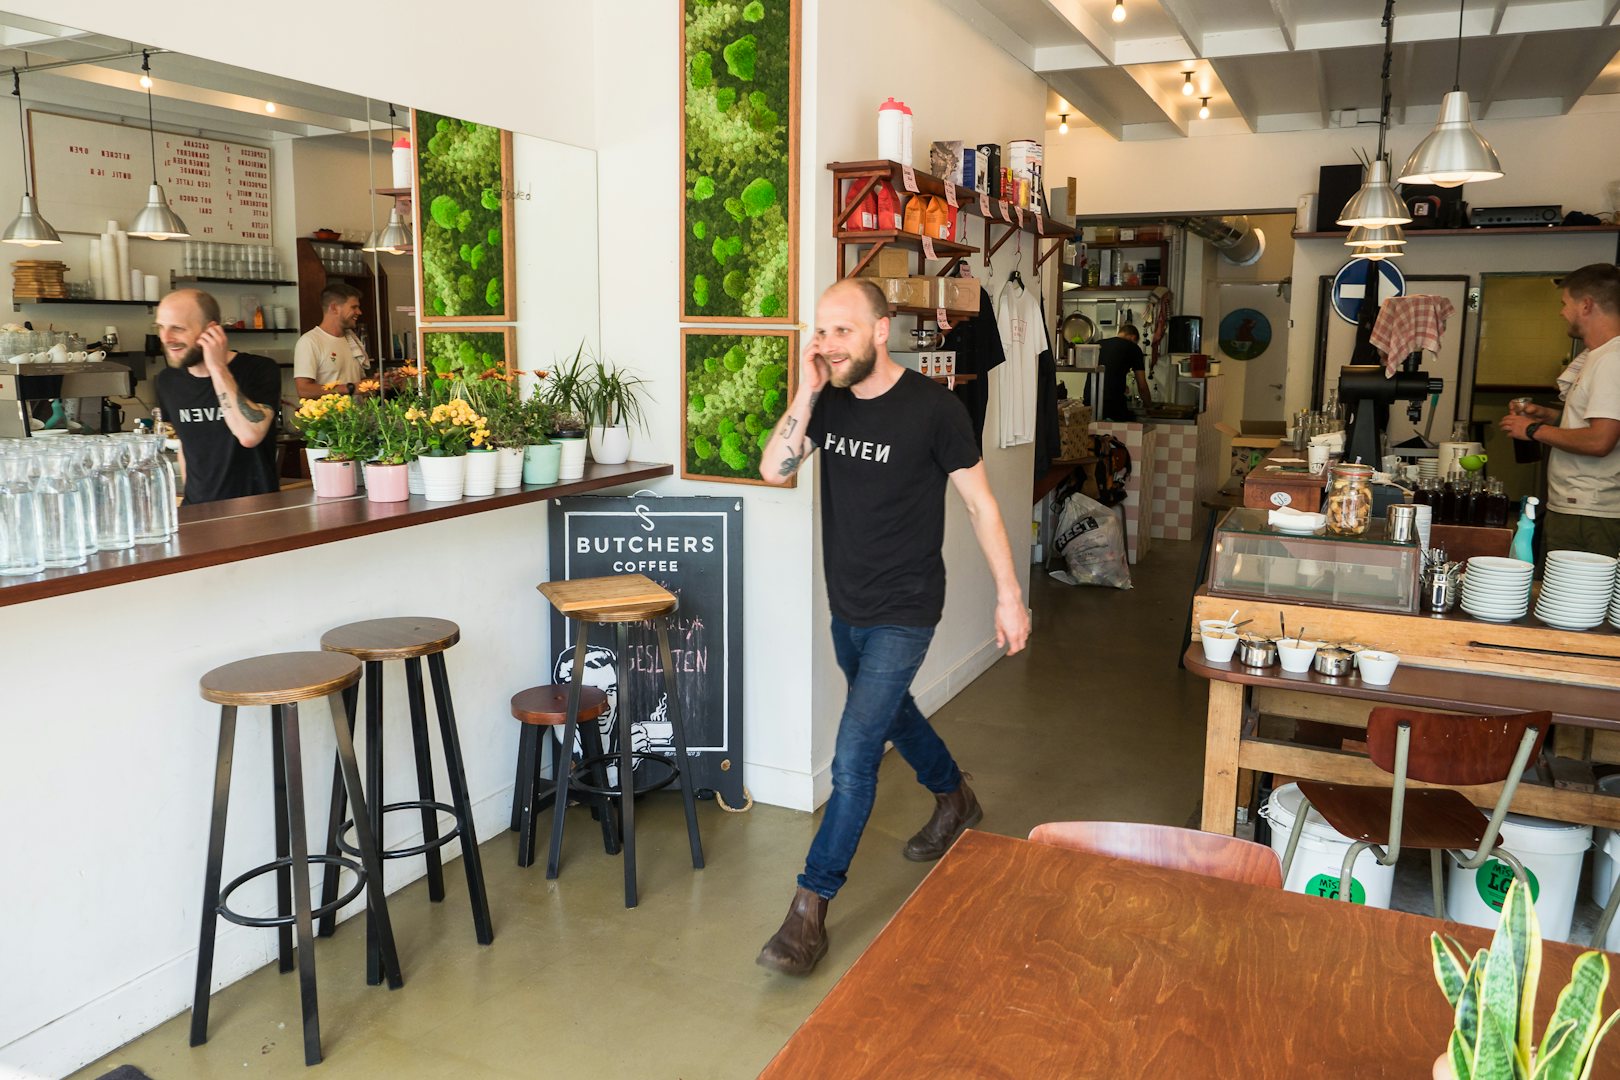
541, 463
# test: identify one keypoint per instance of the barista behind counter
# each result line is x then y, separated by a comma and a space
1118, 357
212, 395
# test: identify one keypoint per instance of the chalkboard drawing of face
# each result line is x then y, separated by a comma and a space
602, 672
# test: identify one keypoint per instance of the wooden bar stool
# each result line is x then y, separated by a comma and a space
538, 709
409, 639
281, 681
620, 600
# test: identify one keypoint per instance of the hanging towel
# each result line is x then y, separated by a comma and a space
1018, 316
1409, 324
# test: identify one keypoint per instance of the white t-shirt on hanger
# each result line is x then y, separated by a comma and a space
1013, 384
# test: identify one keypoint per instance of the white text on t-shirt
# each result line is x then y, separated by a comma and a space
199, 416
858, 448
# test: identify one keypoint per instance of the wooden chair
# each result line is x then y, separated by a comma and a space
1433, 748
1165, 845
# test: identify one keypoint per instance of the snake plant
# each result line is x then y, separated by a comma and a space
1494, 995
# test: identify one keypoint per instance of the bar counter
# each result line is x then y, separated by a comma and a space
235, 529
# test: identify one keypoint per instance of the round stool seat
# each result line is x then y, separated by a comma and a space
618, 598
392, 639
549, 704
280, 678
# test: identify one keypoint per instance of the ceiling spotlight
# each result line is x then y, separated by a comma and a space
1063, 123
1119, 10
146, 81
1203, 108
269, 106
1186, 84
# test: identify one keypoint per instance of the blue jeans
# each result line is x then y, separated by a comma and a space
879, 663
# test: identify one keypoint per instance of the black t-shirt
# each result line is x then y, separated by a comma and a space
883, 467
217, 466
1118, 357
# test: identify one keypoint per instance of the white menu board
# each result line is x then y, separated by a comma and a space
88, 172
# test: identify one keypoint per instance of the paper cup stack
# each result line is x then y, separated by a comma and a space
1496, 589
1576, 590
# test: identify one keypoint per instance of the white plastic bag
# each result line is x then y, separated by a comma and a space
1091, 540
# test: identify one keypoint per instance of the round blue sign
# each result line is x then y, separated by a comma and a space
1351, 284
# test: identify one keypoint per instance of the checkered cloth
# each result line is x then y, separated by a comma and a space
1407, 324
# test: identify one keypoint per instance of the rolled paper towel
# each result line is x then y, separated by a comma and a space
151, 283
95, 267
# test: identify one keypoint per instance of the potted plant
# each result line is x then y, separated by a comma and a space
567, 388
495, 398
332, 424
395, 444
1494, 998
447, 431
613, 404
542, 458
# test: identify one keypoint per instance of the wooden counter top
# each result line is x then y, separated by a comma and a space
236, 529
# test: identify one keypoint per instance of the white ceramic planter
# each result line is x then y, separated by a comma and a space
413, 477
509, 467
481, 468
610, 445
443, 477
573, 459
312, 454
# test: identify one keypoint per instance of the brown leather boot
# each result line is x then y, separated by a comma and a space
796, 948
953, 812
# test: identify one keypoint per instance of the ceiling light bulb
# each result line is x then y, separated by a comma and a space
146, 82
1119, 10
1186, 83
1063, 124
1203, 109
269, 106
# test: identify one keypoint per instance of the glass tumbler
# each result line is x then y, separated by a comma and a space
22, 542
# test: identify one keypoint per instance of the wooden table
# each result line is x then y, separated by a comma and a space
1238, 695
1021, 961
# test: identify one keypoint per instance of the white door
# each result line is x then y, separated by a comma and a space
1252, 332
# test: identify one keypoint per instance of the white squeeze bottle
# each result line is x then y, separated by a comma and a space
905, 134
891, 131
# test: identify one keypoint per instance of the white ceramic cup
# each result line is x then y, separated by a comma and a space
1296, 655
1219, 645
1377, 667
1213, 626
1317, 455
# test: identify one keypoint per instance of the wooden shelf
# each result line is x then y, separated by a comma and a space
1130, 244
967, 199
257, 330
931, 312
1517, 230
963, 378
945, 249
392, 192
175, 279
18, 301
1105, 290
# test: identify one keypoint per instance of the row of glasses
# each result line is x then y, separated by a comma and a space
238, 262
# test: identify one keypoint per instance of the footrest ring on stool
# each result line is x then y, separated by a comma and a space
288, 920
405, 853
584, 765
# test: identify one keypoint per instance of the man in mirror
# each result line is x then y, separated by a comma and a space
212, 395
332, 352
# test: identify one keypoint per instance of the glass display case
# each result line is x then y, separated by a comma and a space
1252, 558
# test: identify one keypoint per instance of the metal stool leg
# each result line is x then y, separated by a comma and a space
1347, 881
517, 785
1602, 932
678, 726
627, 777
424, 775
216, 858
1437, 881
330, 873
523, 799
366, 841
602, 807
457, 770
300, 882
278, 765
374, 801
565, 758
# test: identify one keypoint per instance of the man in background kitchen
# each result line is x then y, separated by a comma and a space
332, 352
212, 396
1583, 470
1118, 357
889, 439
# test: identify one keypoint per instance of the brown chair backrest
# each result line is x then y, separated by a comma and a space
1459, 751
1204, 853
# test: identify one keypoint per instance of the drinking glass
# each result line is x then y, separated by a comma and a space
22, 542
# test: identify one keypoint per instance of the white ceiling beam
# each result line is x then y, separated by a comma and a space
1324, 106
1173, 104
978, 17
1611, 11
1158, 50
177, 98
1094, 33
1237, 88
1498, 9
1234, 43
1563, 15
1585, 67
1181, 16
1499, 74
1287, 20
1087, 104
1066, 58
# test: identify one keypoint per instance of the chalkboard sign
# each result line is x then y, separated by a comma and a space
691, 546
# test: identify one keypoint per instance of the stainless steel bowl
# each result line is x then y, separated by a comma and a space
1256, 651
1334, 661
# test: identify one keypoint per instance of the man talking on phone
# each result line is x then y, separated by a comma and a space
222, 403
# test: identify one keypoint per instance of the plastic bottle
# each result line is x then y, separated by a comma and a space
905, 133
891, 131
1524, 537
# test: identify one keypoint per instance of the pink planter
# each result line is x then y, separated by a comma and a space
387, 483
333, 479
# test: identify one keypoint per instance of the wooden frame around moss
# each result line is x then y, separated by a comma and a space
791, 363
508, 237
508, 344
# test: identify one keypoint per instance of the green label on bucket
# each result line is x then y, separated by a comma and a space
1492, 881
1326, 885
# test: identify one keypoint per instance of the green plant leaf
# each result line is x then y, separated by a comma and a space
1591, 1055
1494, 1056
1558, 1058
1467, 1019
1499, 994
1448, 969
1575, 1018
1462, 1056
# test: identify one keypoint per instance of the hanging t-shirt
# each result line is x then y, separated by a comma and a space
1578, 483
328, 359
883, 467
1018, 315
217, 466
977, 344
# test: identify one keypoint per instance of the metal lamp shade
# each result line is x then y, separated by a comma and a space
1383, 236
1453, 153
1376, 202
156, 221
30, 229
394, 238
1377, 254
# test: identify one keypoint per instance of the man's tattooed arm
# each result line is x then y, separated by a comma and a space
251, 412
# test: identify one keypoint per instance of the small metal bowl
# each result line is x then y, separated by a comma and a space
1333, 661
1256, 651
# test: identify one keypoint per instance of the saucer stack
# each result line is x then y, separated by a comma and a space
1576, 590
1496, 589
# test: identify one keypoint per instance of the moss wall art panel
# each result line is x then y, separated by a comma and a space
736, 385
463, 219
467, 352
739, 149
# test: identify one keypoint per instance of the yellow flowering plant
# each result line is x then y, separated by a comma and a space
332, 421
449, 429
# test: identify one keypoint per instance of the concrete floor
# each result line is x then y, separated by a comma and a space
1093, 721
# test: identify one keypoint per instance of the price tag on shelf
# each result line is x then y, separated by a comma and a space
950, 194
1001, 204
939, 317
1040, 222
908, 177
950, 381
1019, 210
928, 247
984, 205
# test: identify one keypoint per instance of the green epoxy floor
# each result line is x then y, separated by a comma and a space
1093, 721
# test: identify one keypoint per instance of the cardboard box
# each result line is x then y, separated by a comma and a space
889, 262
914, 292
1074, 429
1248, 451
945, 160
991, 153
958, 295
973, 167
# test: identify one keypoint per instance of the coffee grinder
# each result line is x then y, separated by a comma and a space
1367, 392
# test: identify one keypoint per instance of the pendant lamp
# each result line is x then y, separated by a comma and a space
29, 229
1383, 236
1377, 203
1453, 153
155, 221
394, 238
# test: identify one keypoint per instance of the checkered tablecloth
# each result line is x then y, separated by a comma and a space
1407, 324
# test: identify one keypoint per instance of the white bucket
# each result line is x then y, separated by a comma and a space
1320, 855
1603, 862
1610, 852
1551, 851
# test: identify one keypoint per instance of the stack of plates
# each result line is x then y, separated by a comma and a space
1496, 590
1428, 468
1576, 590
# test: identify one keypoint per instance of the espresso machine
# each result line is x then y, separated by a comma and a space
1367, 393
27, 390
